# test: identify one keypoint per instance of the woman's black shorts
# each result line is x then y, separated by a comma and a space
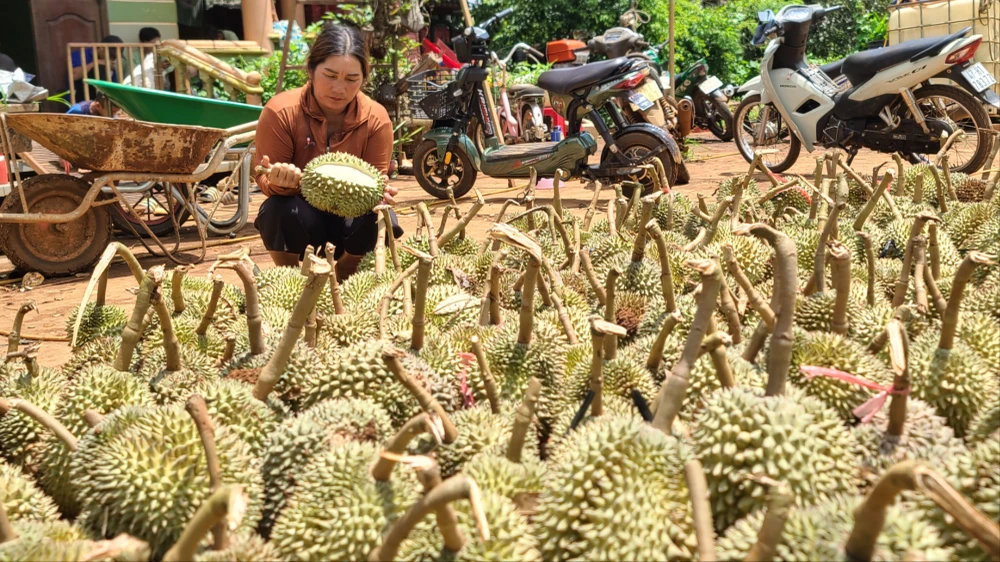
289, 224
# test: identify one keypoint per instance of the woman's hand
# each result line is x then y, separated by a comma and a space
389, 195
281, 174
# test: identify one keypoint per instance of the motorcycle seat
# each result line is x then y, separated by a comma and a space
833, 69
861, 67
566, 80
525, 90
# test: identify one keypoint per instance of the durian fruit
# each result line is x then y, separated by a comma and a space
195, 292
816, 312
98, 321
968, 188
616, 492
58, 541
819, 532
146, 474
562, 427
338, 510
22, 499
297, 440
20, 437
232, 403
986, 425
794, 439
342, 184
982, 332
220, 512
521, 482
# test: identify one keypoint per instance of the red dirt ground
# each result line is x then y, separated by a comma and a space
713, 161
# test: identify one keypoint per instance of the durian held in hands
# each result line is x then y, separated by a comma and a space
342, 184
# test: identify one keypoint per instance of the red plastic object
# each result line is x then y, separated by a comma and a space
557, 120
563, 50
446, 60
3, 171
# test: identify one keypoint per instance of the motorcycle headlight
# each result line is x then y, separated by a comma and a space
729, 91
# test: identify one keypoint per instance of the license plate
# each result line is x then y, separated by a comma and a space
644, 96
979, 77
710, 85
639, 101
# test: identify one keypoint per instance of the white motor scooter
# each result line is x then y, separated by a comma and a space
887, 102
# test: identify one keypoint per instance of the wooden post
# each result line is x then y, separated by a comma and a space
670, 45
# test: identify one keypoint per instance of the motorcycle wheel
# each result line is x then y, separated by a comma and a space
719, 118
635, 145
460, 175
967, 154
744, 131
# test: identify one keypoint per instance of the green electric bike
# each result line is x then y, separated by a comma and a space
447, 157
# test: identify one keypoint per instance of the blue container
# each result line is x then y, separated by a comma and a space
556, 133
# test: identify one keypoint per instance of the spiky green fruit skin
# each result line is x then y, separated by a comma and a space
479, 429
793, 439
198, 291
98, 321
340, 196
976, 476
926, 436
99, 350
285, 291
241, 549
622, 375
704, 380
232, 403
21, 436
560, 434
511, 535
517, 482
292, 445
617, 492
986, 425
982, 332
514, 363
22, 499
342, 330
58, 541
820, 532
337, 511
304, 363
100, 388
870, 322
827, 349
815, 312
147, 475
956, 382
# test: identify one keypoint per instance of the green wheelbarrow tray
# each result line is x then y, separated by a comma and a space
157, 106
119, 145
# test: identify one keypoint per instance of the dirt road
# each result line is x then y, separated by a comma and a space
713, 162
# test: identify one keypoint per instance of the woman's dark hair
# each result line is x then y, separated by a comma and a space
339, 40
148, 34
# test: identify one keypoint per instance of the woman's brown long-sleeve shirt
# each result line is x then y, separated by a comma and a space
292, 129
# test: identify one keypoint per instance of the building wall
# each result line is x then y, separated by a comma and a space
127, 17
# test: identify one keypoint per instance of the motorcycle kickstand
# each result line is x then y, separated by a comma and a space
851, 153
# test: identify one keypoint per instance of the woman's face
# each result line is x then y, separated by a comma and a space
336, 82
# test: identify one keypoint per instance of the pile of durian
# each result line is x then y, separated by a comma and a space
800, 370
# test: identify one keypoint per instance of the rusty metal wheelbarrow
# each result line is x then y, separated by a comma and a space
58, 224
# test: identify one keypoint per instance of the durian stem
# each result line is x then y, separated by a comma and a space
899, 351
666, 276
543, 291
728, 306
779, 505
379, 247
211, 514
920, 265
391, 239
171, 346
753, 297
738, 189
588, 270
102, 289
655, 358
597, 371
464, 221
43, 419
785, 284
938, 300
939, 190
696, 242
588, 217
776, 191
702, 209
527, 313
555, 220
419, 303
840, 262
397, 444
818, 180
949, 321
455, 488
14, 339
674, 388
556, 195
933, 250
621, 212
870, 515
610, 343
918, 189
529, 217
522, 420
92, 418
495, 316
444, 220
427, 402
639, 245
271, 372
7, 532
335, 297
213, 302
866, 241
574, 266
492, 395
818, 281
177, 288
425, 215
947, 178
133, 329
900, 168
255, 322
713, 225
669, 222
866, 211
717, 351
633, 202
306, 264
756, 342
384, 304
903, 282
612, 218
429, 475
701, 510
198, 410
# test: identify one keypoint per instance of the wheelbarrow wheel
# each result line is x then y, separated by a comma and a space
54, 249
151, 206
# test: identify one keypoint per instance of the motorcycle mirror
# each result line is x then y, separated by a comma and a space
765, 16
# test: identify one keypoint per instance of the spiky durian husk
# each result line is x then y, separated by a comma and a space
99, 350
233, 404
956, 382
285, 291
513, 364
359, 286
21, 436
198, 291
342, 330
98, 322
520, 482
58, 541
982, 332
511, 536
869, 322
147, 476
22, 499
185, 326
338, 195
986, 425
297, 440
793, 438
815, 312
704, 380
559, 429
616, 492
968, 188
437, 294
337, 511
827, 349
622, 375
964, 222
820, 532
247, 548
